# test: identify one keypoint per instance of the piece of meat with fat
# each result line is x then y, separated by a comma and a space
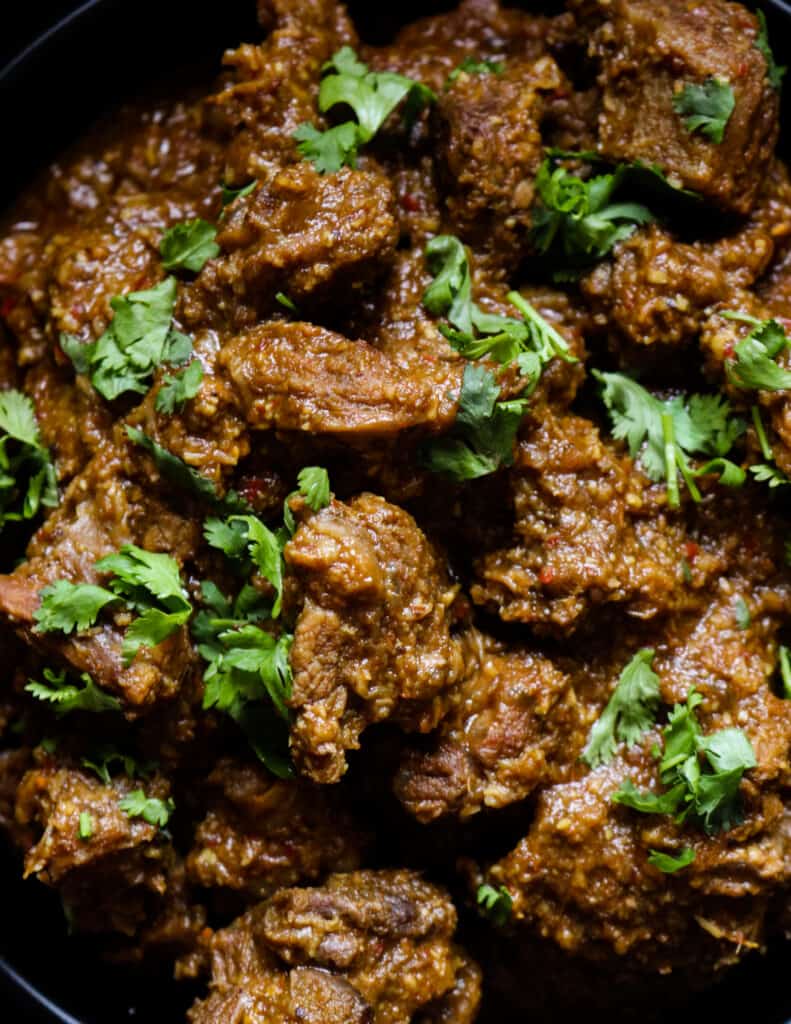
371, 947
316, 238
103, 508
372, 641
648, 52
489, 151
505, 734
261, 833
588, 530
296, 376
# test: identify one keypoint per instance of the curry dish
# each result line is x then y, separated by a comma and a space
399, 441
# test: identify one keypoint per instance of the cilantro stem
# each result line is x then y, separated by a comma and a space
785, 671
766, 448
668, 435
687, 474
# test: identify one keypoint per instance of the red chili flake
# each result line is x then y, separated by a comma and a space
729, 351
253, 487
552, 541
546, 575
8, 306
691, 550
410, 202
741, 71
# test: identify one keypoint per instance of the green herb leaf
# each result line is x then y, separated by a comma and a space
372, 96
742, 613
314, 486
669, 864
662, 435
153, 811
105, 757
262, 546
27, 474
282, 299
85, 829
472, 66
139, 339
774, 72
496, 904
706, 108
65, 607
771, 475
755, 365
189, 245
230, 195
630, 712
178, 388
483, 437
784, 661
67, 697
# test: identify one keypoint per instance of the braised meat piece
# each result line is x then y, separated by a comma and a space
364, 571
318, 238
490, 150
296, 376
587, 532
649, 52
505, 734
372, 946
261, 833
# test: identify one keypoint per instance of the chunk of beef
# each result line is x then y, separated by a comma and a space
367, 947
272, 88
587, 531
295, 376
649, 51
260, 833
504, 735
489, 151
103, 508
581, 876
372, 639
317, 238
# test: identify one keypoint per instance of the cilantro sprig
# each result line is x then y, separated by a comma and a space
669, 864
140, 338
189, 245
371, 95
483, 436
472, 66
313, 483
67, 696
630, 712
531, 342
178, 388
774, 72
754, 365
663, 434
152, 810
143, 581
701, 774
706, 108
496, 904
27, 474
576, 222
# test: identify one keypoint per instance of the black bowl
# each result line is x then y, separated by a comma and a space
83, 60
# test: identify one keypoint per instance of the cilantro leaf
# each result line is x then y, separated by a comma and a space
663, 434
67, 697
774, 72
496, 904
784, 661
576, 223
483, 437
85, 828
771, 475
706, 108
189, 245
27, 474
247, 534
742, 613
755, 365
703, 773
184, 476
152, 810
471, 66
65, 606
630, 712
230, 195
178, 388
105, 757
372, 96
669, 864
314, 486
139, 339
